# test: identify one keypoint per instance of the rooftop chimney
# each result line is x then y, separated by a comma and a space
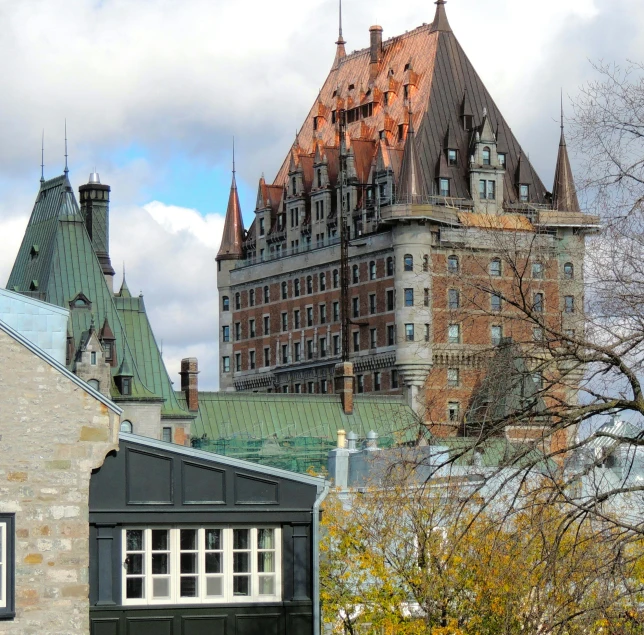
342, 439
376, 50
189, 382
344, 385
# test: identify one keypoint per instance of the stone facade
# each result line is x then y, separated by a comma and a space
55, 431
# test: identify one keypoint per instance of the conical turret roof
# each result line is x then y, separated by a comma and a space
411, 186
233, 237
564, 195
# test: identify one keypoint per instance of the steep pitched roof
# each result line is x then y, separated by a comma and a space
444, 87
564, 195
232, 240
66, 267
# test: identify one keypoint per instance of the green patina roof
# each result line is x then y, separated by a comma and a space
295, 432
64, 266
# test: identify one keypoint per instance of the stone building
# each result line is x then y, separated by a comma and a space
55, 431
64, 260
442, 207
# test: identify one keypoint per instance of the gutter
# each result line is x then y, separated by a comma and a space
316, 557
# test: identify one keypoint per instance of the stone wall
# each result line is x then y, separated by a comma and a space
53, 434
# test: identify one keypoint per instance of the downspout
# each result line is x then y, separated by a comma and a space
316, 557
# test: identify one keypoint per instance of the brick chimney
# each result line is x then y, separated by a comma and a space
376, 51
344, 385
189, 382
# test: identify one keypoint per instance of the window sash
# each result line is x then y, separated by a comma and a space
260, 557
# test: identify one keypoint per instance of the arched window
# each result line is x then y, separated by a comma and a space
425, 263
390, 266
237, 301
267, 295
126, 426
452, 264
284, 290
495, 268
251, 297
356, 274
486, 156
409, 262
94, 383
225, 303
372, 270
569, 271
309, 284
336, 278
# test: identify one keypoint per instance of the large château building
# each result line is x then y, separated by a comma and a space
405, 141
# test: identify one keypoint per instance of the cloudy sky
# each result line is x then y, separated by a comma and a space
154, 90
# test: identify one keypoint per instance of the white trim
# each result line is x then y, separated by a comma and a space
226, 575
3, 565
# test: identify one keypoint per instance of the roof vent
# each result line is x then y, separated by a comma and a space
94, 178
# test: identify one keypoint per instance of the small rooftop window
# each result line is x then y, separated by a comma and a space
35, 250
34, 285
352, 86
407, 66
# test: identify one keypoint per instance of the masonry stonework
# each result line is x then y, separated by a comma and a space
53, 434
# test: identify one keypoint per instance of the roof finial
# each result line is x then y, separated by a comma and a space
66, 167
234, 156
340, 38
562, 121
42, 158
440, 19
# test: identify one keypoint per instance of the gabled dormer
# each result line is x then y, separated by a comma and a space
486, 171
108, 343
81, 301
91, 365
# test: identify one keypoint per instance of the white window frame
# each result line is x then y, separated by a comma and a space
3, 565
7, 566
226, 574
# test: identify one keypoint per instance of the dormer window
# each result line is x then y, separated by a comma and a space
315, 123
443, 185
401, 131
319, 178
34, 285
524, 193
261, 227
35, 250
407, 66
333, 116
468, 122
386, 98
126, 386
452, 157
486, 156
406, 91
294, 185
108, 350
501, 156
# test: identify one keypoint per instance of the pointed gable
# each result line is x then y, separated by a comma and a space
232, 240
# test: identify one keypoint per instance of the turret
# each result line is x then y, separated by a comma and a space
95, 209
564, 195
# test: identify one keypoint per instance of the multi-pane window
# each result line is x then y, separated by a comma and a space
390, 299
336, 344
238, 363
201, 565
225, 303
501, 156
267, 356
237, 331
452, 377
355, 307
251, 328
356, 274
486, 156
453, 411
267, 325
391, 335
309, 316
538, 302
323, 282
452, 157
524, 193
322, 310
284, 353
454, 333
409, 297
452, 264
284, 322
336, 311
408, 262
296, 318
372, 270
569, 271
372, 303
495, 268
496, 333
409, 332
390, 266
297, 347
251, 360
373, 338
284, 290
356, 341
322, 347
569, 304
443, 185
537, 270
453, 299
487, 190
225, 364
225, 333
495, 302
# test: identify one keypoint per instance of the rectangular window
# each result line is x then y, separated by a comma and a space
372, 303
190, 565
322, 310
267, 325
251, 360
356, 341
453, 411
409, 297
495, 302
373, 338
166, 435
262, 230
251, 328
427, 332
453, 299
537, 334
310, 387
284, 321
360, 379
237, 331
225, 364
491, 190
391, 335
537, 270
377, 381
225, 333
426, 297
496, 335
238, 362
355, 304
538, 302
452, 377
569, 304
93, 358
524, 193
454, 333
296, 350
309, 349
336, 344
322, 347
322, 282
390, 300
444, 187
267, 356
336, 311
284, 353
296, 318
394, 379
7, 566
309, 316
409, 332
324, 386
452, 157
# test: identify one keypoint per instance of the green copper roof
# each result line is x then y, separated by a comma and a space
66, 268
295, 432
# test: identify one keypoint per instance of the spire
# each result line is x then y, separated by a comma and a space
564, 195
440, 19
411, 188
125, 291
232, 239
42, 158
340, 53
66, 167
